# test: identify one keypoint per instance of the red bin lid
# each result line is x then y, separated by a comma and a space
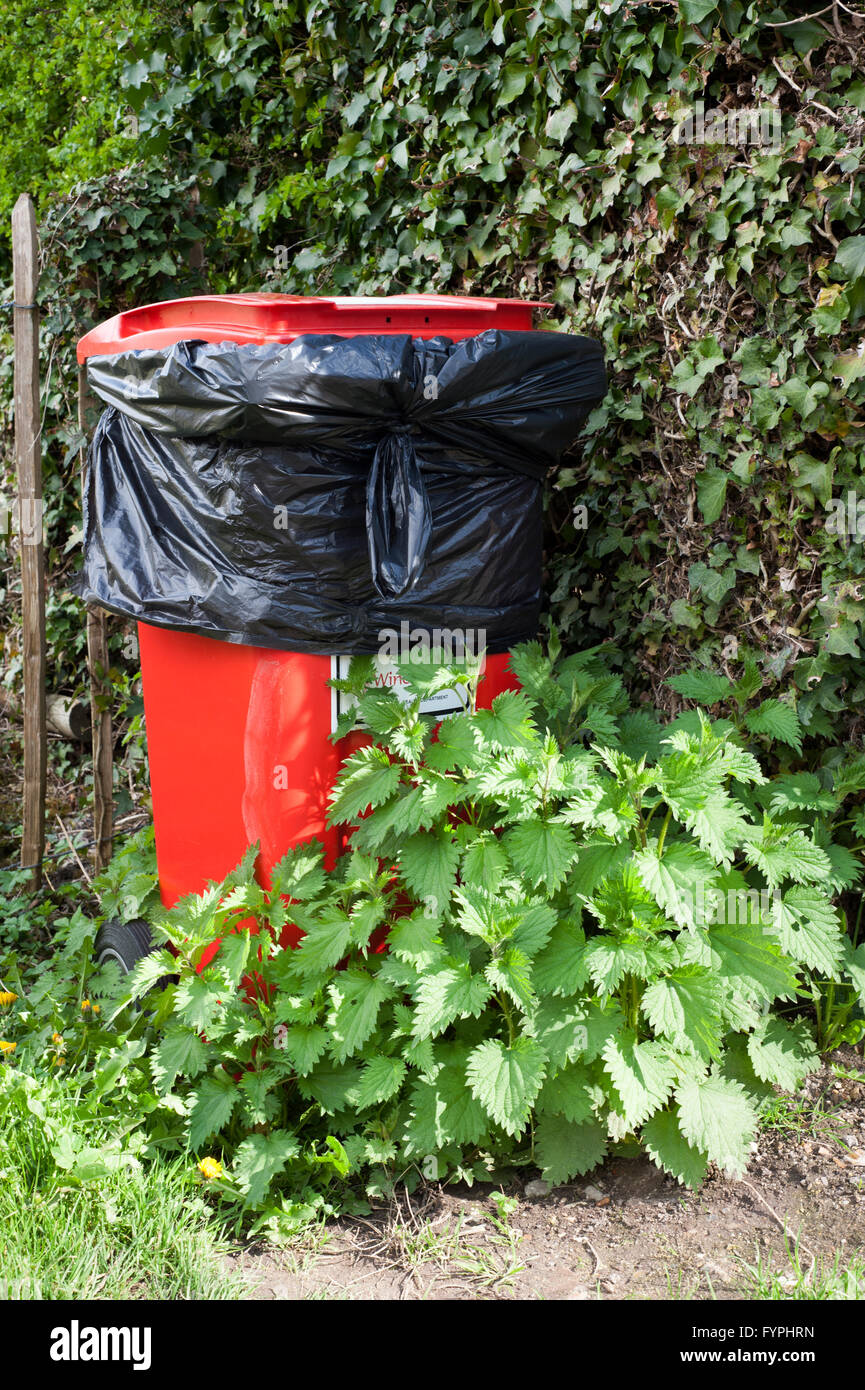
278, 318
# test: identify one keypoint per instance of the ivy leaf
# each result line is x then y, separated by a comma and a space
716, 1116
506, 1080
566, 1150
850, 257
711, 493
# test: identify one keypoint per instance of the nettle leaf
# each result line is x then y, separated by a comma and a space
508, 723
560, 968
704, 687
809, 929
542, 850
535, 928
300, 873
685, 1007
428, 861
715, 1115
569, 1092
448, 993
198, 1000
416, 939
566, 1150
381, 1078
511, 972
181, 1052
444, 1111
744, 956
260, 1159
595, 861
609, 958
781, 855
668, 1147
678, 881
854, 967
506, 1080
719, 825
213, 1102
368, 778
642, 1074
303, 1044
778, 720
327, 940
782, 1054
484, 862
357, 997
332, 1086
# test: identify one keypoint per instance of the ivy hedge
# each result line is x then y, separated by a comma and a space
481, 148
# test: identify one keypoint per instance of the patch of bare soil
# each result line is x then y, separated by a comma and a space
625, 1231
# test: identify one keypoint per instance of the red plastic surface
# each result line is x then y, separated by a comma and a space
238, 736
240, 751
278, 318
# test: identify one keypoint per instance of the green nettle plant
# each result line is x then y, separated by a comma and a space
561, 928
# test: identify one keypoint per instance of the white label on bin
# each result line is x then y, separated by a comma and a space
387, 677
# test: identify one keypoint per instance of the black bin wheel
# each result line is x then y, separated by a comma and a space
123, 942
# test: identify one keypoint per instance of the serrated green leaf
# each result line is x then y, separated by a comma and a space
668, 1147
685, 1008
642, 1074
716, 1116
447, 993
213, 1102
506, 1080
781, 1054
566, 1150
260, 1159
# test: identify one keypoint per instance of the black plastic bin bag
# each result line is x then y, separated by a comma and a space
306, 496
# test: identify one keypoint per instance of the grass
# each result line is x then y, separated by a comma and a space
140, 1233
809, 1279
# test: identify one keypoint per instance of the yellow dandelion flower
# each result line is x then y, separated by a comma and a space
7, 1047
57, 1039
211, 1168
96, 1008
7, 997
85, 1005
58, 1062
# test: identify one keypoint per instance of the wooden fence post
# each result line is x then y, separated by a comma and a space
100, 685
28, 461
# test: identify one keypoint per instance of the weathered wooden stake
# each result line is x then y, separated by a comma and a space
100, 685
28, 460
